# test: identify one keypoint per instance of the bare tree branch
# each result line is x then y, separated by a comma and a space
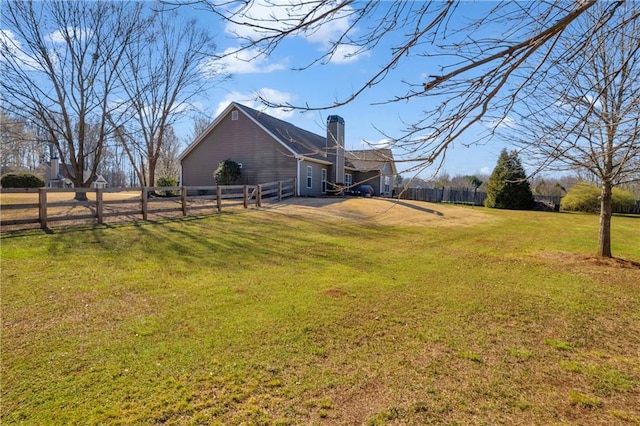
58, 62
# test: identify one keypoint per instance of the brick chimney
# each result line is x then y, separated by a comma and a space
335, 147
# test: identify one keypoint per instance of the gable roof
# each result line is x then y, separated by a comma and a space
297, 141
366, 160
300, 142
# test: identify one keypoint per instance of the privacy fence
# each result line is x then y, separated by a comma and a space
468, 196
473, 197
45, 205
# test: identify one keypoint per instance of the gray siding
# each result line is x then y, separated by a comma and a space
369, 178
263, 158
376, 181
316, 178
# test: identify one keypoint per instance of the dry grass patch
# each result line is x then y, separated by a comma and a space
382, 212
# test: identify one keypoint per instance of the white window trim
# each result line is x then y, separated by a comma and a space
348, 181
309, 177
323, 184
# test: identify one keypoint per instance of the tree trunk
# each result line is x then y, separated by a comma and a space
81, 196
152, 171
79, 183
604, 233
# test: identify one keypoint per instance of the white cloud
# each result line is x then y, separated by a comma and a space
347, 53
485, 170
382, 143
251, 100
9, 43
58, 36
503, 122
268, 17
249, 61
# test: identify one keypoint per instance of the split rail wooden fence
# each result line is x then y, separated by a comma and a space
133, 202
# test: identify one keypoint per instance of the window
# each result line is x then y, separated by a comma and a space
309, 176
324, 181
234, 115
387, 184
348, 179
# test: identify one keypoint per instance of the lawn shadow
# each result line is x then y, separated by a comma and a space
413, 206
309, 201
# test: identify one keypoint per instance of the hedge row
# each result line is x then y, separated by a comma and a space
21, 180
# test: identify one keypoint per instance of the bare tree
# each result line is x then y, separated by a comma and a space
200, 124
168, 164
585, 116
58, 62
161, 75
20, 149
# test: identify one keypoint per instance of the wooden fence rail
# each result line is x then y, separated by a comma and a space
140, 201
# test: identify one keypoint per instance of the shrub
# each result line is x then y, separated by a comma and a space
622, 198
21, 180
508, 187
585, 197
228, 172
167, 181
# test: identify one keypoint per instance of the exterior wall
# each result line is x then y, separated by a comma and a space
387, 173
376, 180
263, 158
316, 178
368, 178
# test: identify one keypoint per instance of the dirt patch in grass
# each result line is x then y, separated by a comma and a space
335, 292
382, 211
588, 264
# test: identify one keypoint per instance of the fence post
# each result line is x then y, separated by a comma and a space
218, 199
42, 211
99, 205
145, 201
245, 196
279, 190
259, 196
183, 193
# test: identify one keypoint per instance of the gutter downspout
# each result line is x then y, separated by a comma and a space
299, 160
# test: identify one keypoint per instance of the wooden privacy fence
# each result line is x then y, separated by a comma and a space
445, 195
109, 202
476, 198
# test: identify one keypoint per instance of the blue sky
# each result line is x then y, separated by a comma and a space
318, 85
275, 79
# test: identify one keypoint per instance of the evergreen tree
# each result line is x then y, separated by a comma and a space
227, 173
508, 187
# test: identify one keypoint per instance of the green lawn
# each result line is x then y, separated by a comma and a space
263, 318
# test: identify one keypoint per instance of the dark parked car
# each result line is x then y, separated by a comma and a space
364, 190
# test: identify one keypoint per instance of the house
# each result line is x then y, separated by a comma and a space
269, 149
98, 181
54, 177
